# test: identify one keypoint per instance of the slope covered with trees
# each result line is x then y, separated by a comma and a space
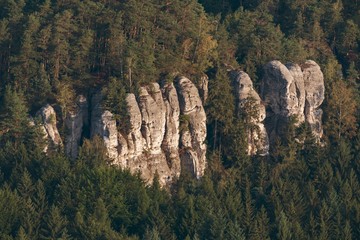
51, 51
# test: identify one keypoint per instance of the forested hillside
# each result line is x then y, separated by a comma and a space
51, 51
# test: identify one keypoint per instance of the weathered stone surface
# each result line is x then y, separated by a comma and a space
152, 141
75, 122
191, 106
249, 103
292, 91
103, 124
153, 113
315, 94
297, 92
134, 139
170, 143
48, 122
279, 89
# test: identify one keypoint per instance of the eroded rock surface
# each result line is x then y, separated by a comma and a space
192, 110
48, 123
292, 91
152, 141
315, 94
251, 107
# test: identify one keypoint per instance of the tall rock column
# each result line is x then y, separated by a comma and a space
47, 116
315, 94
292, 91
103, 124
170, 143
249, 104
193, 155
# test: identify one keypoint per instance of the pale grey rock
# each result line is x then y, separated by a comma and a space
292, 91
135, 140
149, 165
109, 134
249, 100
170, 143
151, 142
103, 124
315, 94
297, 92
279, 89
153, 113
280, 93
75, 122
191, 106
47, 115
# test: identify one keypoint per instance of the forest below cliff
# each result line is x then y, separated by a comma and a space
51, 51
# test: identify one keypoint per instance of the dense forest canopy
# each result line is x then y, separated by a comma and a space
51, 51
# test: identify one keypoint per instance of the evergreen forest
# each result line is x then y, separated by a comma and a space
53, 50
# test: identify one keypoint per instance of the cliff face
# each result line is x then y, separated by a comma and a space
154, 141
166, 131
292, 91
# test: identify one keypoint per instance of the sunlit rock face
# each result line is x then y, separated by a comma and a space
292, 91
47, 116
315, 94
192, 110
153, 143
250, 105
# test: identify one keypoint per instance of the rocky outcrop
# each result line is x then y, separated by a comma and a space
250, 107
192, 111
153, 112
315, 94
292, 91
153, 141
75, 122
47, 116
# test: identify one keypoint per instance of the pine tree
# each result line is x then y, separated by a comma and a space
21, 235
341, 110
54, 226
284, 231
14, 122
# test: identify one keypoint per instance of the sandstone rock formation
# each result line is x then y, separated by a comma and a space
292, 91
193, 154
48, 119
152, 143
315, 94
250, 105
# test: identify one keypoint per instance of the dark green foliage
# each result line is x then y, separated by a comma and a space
52, 50
115, 101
